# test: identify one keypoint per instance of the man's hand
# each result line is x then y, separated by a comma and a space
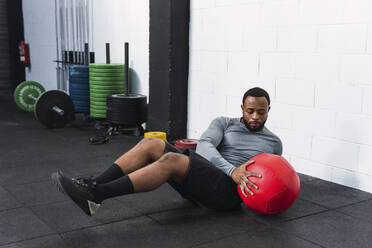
240, 174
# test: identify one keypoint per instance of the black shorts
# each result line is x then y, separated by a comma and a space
205, 184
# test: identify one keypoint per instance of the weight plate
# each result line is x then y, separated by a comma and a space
97, 99
106, 66
107, 79
79, 93
76, 106
99, 95
79, 68
98, 108
97, 115
100, 91
106, 87
47, 103
81, 102
79, 86
106, 83
22, 93
79, 76
79, 80
99, 111
79, 98
106, 74
98, 103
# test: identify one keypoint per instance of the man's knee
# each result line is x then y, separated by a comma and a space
151, 141
176, 163
171, 157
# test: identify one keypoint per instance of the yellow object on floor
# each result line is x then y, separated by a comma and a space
158, 135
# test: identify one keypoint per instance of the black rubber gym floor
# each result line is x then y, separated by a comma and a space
34, 214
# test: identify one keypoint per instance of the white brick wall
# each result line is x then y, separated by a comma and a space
315, 60
115, 21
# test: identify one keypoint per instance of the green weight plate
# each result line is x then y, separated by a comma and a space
106, 70
107, 79
22, 93
106, 74
97, 116
98, 113
99, 95
106, 66
97, 108
106, 87
98, 99
106, 83
111, 92
98, 103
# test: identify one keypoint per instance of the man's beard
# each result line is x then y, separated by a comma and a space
256, 129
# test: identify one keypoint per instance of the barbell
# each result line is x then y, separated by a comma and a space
53, 108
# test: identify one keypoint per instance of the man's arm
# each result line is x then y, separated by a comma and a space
209, 141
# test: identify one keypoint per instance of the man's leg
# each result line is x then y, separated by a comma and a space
170, 166
145, 152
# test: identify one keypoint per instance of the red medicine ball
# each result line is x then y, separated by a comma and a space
277, 189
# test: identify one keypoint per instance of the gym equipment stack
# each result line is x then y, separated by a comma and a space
79, 87
104, 80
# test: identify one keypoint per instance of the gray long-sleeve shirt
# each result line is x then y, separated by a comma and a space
227, 143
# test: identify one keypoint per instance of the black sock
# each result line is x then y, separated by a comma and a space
120, 186
111, 173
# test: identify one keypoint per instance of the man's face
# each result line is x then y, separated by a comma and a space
255, 112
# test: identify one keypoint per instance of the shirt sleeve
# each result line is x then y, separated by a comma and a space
209, 141
279, 148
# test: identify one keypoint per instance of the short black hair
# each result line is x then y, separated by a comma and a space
257, 92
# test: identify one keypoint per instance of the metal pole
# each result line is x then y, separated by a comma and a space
107, 53
81, 31
86, 54
73, 17
63, 41
91, 21
67, 44
58, 68
126, 45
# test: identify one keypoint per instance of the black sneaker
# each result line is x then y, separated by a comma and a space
80, 190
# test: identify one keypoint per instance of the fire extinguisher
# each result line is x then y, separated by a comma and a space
24, 53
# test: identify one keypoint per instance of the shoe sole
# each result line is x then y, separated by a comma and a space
92, 206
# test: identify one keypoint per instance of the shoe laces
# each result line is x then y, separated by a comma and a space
85, 184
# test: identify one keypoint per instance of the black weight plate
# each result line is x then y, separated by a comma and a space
44, 109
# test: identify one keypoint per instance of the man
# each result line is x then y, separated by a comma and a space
208, 176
